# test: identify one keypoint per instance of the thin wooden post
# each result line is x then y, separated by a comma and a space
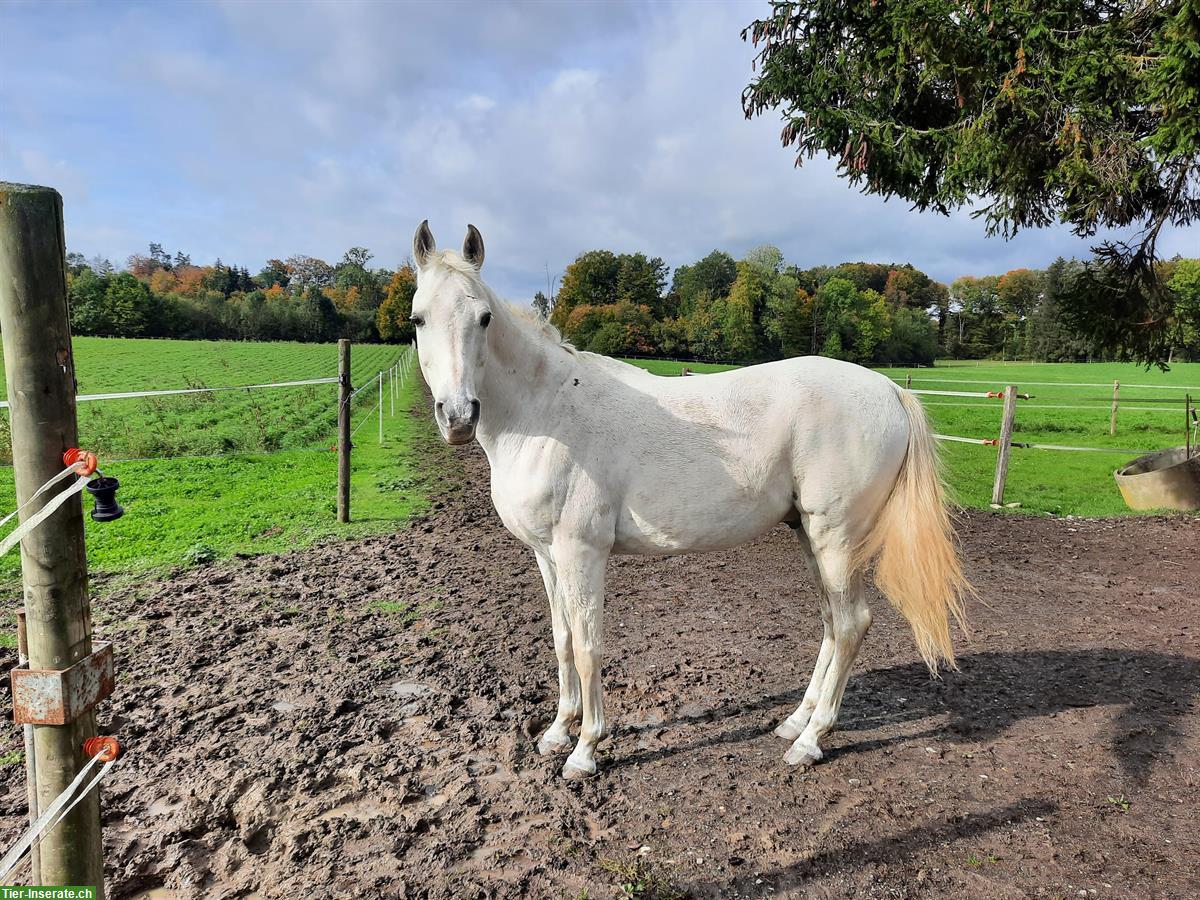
381, 408
343, 442
40, 371
1112, 422
1006, 431
31, 796
908, 382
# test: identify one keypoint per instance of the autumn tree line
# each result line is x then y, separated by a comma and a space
760, 308
629, 304
298, 299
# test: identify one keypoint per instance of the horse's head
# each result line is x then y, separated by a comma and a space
451, 312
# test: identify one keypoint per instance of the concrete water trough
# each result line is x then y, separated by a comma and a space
1167, 479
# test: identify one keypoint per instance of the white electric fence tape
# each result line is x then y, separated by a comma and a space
203, 390
45, 512
45, 487
1021, 445
1168, 387
995, 394
58, 810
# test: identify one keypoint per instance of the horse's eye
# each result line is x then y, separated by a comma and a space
417, 321
486, 319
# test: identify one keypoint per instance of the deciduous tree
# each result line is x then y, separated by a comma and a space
392, 317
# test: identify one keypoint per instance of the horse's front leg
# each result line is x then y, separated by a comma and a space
580, 570
557, 738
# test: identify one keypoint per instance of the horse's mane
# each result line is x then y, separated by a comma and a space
530, 318
524, 315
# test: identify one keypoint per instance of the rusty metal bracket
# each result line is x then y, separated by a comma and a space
60, 696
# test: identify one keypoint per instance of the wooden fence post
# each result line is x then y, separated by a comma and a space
1112, 422
1006, 431
908, 382
40, 371
343, 441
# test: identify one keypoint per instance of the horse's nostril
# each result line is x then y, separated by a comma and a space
474, 410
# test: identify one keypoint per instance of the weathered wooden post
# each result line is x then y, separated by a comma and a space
1006, 431
343, 441
1112, 422
41, 391
908, 382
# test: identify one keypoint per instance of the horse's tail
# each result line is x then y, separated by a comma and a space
917, 567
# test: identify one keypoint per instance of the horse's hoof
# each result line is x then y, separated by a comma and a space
788, 731
802, 755
549, 746
572, 772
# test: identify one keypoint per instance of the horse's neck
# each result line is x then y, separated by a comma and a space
522, 378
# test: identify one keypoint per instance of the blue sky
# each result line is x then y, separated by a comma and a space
249, 130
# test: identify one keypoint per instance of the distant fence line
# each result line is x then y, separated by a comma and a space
80, 398
1035, 406
1171, 387
1005, 443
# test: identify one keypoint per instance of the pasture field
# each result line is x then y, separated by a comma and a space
1066, 409
203, 424
274, 486
242, 472
674, 367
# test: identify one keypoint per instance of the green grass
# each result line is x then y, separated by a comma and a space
199, 424
1045, 481
185, 511
674, 367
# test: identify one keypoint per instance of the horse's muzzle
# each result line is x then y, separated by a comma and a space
457, 426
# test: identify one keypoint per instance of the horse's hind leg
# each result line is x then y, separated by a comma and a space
850, 617
791, 727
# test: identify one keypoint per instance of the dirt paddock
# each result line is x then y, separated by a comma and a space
357, 720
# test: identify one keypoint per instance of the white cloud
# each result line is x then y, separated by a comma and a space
555, 128
37, 168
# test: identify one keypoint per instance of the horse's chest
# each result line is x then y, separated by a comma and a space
525, 504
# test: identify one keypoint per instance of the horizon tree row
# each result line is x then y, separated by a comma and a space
718, 309
760, 308
298, 299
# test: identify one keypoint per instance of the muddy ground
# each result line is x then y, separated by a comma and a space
357, 720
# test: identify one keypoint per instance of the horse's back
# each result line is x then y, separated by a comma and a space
715, 460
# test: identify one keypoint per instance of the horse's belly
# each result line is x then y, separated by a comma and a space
697, 526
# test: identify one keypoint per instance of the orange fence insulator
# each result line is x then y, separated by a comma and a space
105, 748
83, 461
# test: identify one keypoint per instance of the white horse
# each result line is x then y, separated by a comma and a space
591, 456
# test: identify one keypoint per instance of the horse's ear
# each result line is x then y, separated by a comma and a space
423, 244
473, 247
